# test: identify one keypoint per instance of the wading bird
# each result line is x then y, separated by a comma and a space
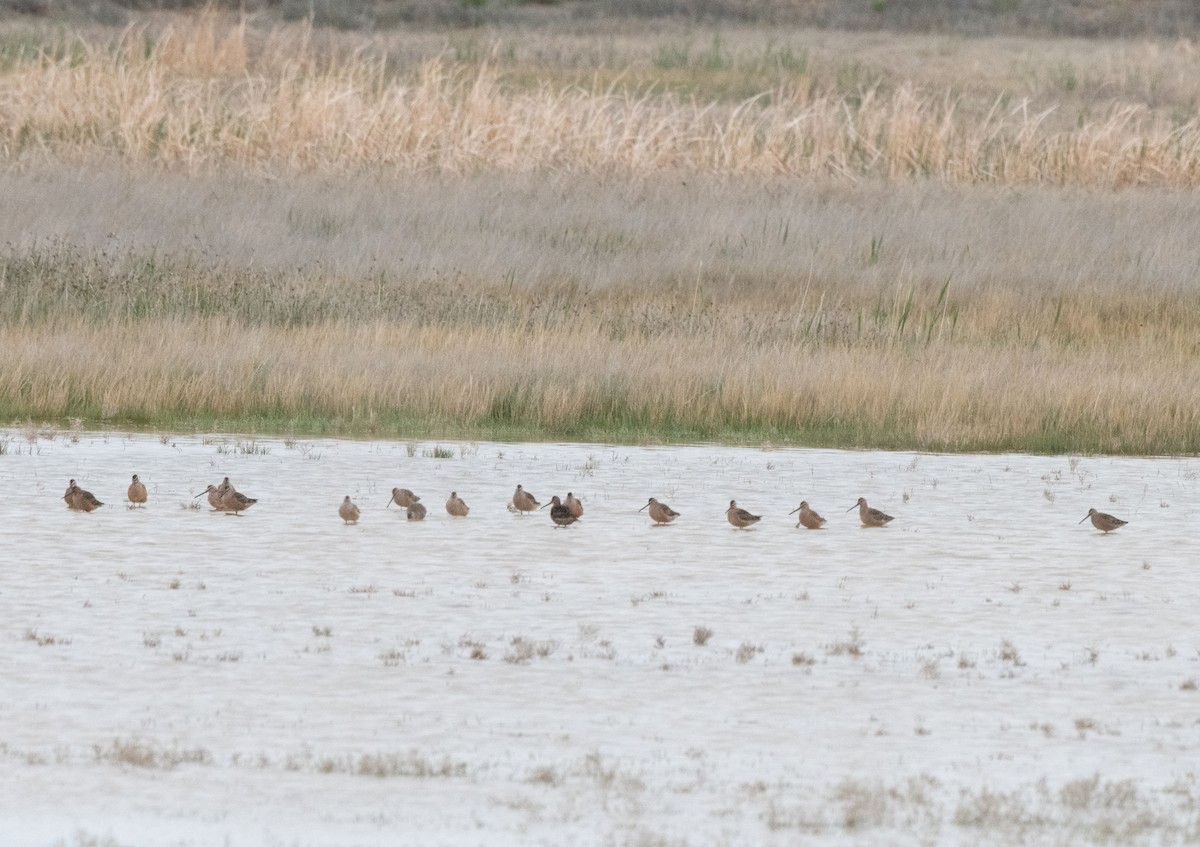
403, 498
523, 501
136, 492
869, 516
572, 503
235, 501
1104, 522
740, 518
416, 512
660, 513
348, 512
456, 507
808, 518
80, 500
561, 513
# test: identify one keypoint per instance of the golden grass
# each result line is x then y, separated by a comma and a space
218, 226
204, 96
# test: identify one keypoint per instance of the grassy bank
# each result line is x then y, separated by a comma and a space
208, 225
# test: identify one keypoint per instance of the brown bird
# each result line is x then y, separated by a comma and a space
1104, 522
660, 513
403, 498
870, 517
560, 513
136, 492
416, 512
80, 500
740, 518
455, 506
235, 501
523, 501
348, 512
572, 503
214, 497
808, 518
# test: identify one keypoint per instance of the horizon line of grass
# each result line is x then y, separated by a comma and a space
404, 427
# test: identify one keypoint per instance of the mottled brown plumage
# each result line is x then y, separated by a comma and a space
416, 512
560, 513
740, 518
403, 498
660, 513
1104, 522
523, 501
808, 518
870, 517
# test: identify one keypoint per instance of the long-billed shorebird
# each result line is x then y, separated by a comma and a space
214, 497
136, 492
869, 516
560, 513
235, 501
403, 498
808, 518
660, 513
456, 507
524, 502
740, 518
80, 500
572, 503
348, 512
1104, 522
416, 512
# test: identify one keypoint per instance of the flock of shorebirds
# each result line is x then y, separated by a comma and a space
226, 498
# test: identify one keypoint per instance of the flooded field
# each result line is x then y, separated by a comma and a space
986, 669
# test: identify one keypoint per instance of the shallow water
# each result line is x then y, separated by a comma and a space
177, 676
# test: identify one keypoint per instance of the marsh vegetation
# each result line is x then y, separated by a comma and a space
671, 233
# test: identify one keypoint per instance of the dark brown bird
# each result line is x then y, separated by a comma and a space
560, 513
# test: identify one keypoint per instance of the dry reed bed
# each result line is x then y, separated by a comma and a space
195, 99
940, 394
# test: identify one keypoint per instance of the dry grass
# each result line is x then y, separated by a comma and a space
207, 93
553, 242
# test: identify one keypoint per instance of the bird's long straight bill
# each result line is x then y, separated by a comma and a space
644, 508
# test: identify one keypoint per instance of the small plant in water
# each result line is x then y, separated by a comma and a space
701, 635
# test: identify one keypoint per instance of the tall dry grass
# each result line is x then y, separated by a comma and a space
203, 96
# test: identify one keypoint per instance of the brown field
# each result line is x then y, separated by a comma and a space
654, 232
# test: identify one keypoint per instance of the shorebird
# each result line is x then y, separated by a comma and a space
403, 498
348, 512
808, 518
740, 517
456, 507
572, 503
225, 485
523, 501
416, 512
214, 497
136, 492
1104, 522
560, 513
660, 513
869, 516
80, 500
235, 501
